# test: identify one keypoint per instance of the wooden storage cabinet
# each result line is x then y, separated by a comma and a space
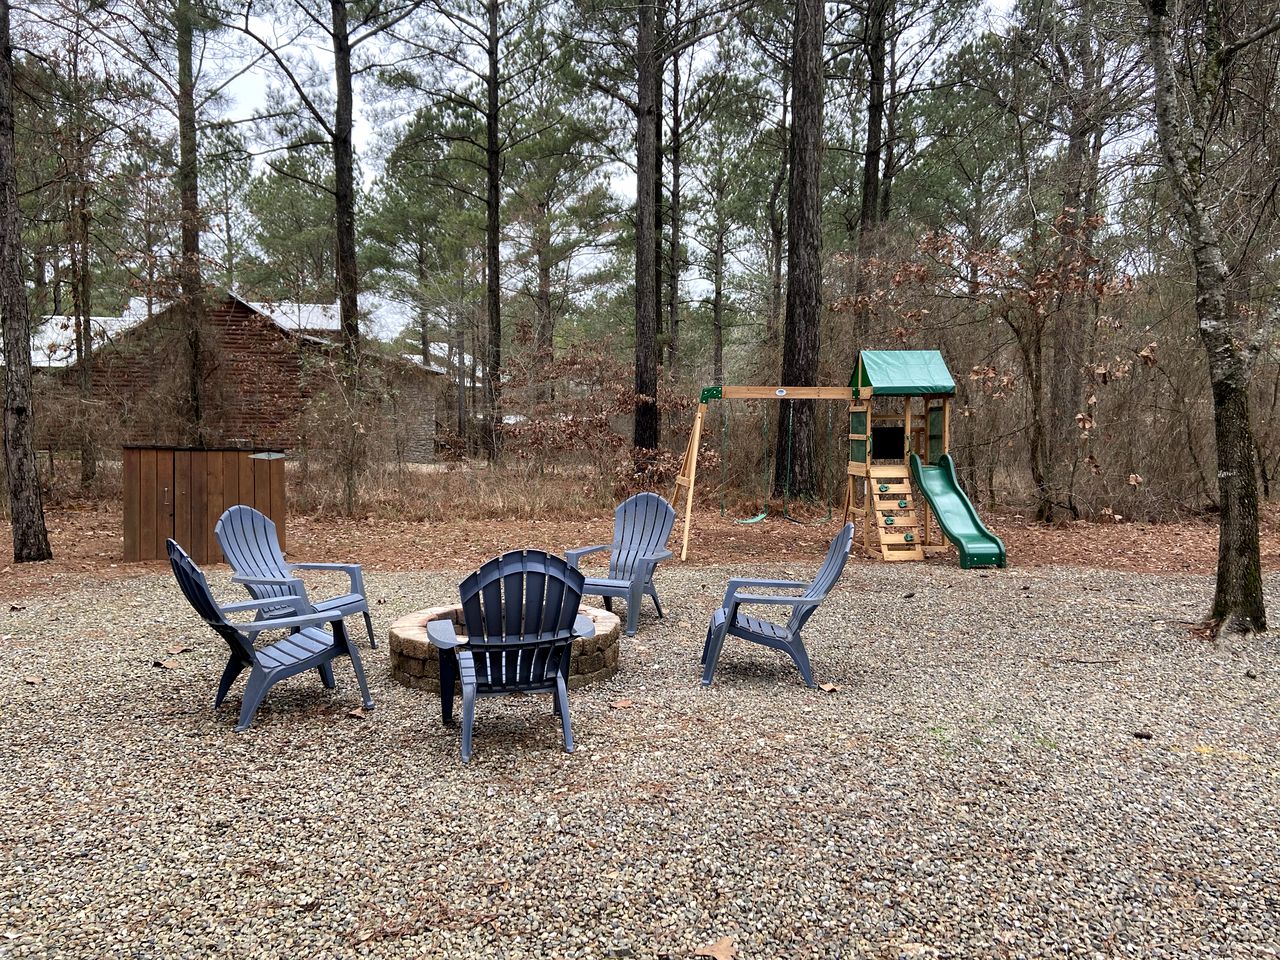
180, 492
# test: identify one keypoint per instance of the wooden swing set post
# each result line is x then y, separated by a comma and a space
687, 478
689, 474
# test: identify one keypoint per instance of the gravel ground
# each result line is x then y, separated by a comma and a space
973, 788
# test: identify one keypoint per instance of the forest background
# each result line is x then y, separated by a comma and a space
597, 201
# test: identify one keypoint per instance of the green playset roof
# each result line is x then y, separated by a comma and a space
903, 373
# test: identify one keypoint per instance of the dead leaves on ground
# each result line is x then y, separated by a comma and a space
623, 704
722, 949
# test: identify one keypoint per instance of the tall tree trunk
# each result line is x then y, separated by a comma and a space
492, 243
804, 256
189, 201
890, 148
777, 223
717, 305
659, 187
673, 215
647, 418
82, 305
26, 507
1238, 603
344, 196
543, 309
868, 216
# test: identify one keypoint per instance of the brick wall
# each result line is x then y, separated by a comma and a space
259, 386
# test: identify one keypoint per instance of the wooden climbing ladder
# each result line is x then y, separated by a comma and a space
889, 486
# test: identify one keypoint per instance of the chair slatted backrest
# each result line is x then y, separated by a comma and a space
251, 545
826, 577
518, 610
194, 586
641, 526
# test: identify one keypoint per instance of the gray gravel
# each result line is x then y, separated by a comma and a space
974, 788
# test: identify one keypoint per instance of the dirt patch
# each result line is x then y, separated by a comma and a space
87, 543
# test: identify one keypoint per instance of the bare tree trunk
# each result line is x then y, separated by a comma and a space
543, 310
891, 123
647, 419
717, 305
777, 225
82, 305
673, 215
344, 196
1238, 603
868, 217
26, 507
189, 201
492, 243
804, 256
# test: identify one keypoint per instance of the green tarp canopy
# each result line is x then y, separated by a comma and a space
903, 373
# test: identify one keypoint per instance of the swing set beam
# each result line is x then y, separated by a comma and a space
688, 476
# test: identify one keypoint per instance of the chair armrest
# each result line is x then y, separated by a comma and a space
657, 557
442, 635
742, 599
352, 570
584, 627
267, 581
573, 556
256, 627
738, 583
297, 604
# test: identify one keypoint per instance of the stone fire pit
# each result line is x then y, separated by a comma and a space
416, 663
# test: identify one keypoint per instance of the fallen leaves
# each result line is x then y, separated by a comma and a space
623, 704
165, 664
722, 949
178, 648
830, 687
357, 712
33, 681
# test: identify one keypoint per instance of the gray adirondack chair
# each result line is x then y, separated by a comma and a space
306, 647
520, 611
730, 620
641, 526
251, 545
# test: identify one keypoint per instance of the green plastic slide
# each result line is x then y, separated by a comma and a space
978, 546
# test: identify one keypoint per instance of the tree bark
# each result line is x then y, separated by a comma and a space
543, 308
717, 305
647, 419
344, 196
673, 215
1238, 603
795, 470
492, 242
777, 224
189, 202
26, 506
868, 216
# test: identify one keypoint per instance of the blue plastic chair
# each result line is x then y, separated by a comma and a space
520, 612
251, 545
307, 647
641, 526
730, 620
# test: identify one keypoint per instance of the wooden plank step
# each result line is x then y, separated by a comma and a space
902, 521
895, 556
898, 538
889, 470
896, 490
